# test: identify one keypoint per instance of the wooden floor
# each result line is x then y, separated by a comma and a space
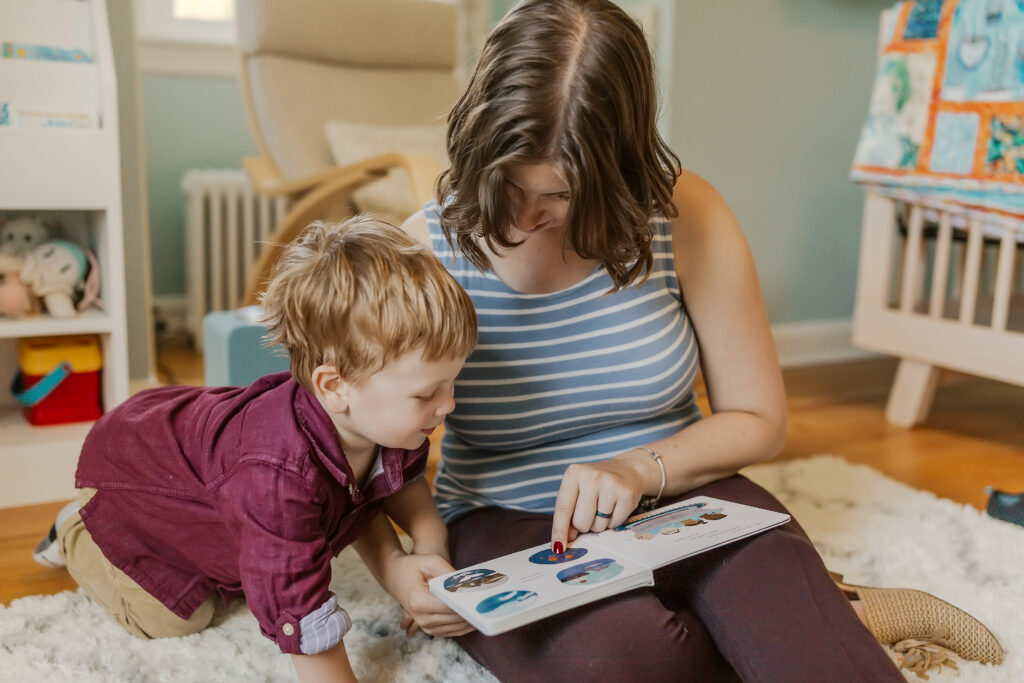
974, 438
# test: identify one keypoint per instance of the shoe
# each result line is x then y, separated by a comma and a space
1008, 507
923, 629
47, 552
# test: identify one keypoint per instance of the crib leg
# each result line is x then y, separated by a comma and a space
912, 392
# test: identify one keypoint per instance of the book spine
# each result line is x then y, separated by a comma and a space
46, 52
24, 117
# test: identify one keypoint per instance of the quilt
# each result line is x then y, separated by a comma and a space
945, 122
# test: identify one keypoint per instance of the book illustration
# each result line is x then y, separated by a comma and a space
670, 521
593, 571
474, 579
508, 602
547, 557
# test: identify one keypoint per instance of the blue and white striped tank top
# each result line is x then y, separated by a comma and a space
578, 375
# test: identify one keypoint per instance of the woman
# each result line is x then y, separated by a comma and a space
603, 276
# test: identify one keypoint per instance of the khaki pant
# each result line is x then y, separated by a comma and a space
132, 607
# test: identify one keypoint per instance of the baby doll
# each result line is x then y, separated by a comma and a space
59, 272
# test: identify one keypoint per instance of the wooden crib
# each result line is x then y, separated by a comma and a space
939, 287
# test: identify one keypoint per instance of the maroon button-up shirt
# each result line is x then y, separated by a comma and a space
234, 490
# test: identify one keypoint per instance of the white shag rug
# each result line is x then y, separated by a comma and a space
874, 530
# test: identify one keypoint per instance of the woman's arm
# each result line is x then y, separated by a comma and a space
719, 285
723, 298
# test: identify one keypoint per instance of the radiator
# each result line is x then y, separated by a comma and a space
226, 224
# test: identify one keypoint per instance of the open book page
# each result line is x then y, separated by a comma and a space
520, 588
692, 526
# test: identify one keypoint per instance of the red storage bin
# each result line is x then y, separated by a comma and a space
60, 379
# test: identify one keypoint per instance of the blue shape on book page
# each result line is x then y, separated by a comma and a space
594, 571
547, 557
506, 603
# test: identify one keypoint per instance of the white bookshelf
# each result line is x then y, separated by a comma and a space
73, 174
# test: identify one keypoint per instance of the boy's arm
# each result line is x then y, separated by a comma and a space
329, 665
413, 509
405, 578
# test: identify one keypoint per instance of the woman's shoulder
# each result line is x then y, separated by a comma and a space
416, 227
697, 202
704, 225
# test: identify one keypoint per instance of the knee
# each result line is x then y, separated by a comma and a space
678, 648
647, 642
151, 620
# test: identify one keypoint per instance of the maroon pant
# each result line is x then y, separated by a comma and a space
761, 609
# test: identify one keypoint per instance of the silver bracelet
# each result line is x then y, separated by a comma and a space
651, 502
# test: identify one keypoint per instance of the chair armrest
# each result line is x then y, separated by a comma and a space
262, 174
314, 203
422, 170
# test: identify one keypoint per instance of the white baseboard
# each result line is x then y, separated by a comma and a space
171, 313
816, 342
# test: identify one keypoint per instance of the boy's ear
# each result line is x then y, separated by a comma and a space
331, 388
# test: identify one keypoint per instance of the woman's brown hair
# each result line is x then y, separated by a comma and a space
568, 82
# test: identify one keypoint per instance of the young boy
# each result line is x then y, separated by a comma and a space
188, 493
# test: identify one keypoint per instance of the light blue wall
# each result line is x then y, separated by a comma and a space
768, 101
189, 123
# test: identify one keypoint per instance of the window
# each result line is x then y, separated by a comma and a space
204, 10
187, 37
186, 21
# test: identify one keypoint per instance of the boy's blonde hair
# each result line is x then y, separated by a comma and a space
357, 295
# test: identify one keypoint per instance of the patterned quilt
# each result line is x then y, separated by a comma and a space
946, 119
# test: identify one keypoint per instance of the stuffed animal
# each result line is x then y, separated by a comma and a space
62, 273
20, 235
16, 297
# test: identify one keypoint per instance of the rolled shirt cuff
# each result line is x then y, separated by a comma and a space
324, 627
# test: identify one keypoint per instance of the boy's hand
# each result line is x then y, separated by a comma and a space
407, 581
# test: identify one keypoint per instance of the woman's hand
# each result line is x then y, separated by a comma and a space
598, 496
406, 579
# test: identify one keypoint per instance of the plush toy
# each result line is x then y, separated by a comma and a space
62, 273
20, 235
16, 297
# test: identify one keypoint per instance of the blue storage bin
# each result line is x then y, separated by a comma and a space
233, 349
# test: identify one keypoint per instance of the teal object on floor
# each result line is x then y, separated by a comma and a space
233, 350
1008, 507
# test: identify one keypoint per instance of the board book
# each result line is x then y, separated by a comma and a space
523, 587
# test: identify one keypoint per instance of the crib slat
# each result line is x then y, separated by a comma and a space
1004, 281
910, 290
972, 268
940, 266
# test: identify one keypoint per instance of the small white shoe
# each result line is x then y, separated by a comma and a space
47, 553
